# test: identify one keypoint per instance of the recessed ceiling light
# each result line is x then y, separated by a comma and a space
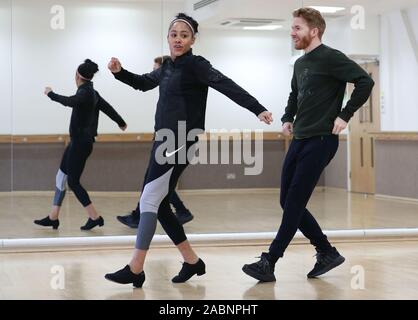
324, 9
268, 28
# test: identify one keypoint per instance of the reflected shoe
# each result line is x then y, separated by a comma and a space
90, 224
263, 270
126, 276
184, 216
325, 261
130, 220
47, 222
189, 270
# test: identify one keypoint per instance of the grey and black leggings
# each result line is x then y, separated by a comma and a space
160, 182
72, 166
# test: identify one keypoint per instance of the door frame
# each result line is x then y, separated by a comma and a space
363, 60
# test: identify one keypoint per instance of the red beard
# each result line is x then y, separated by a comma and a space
304, 42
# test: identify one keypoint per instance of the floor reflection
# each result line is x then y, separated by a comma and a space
243, 211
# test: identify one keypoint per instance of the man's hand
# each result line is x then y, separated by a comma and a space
339, 125
287, 128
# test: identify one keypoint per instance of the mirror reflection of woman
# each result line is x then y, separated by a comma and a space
183, 83
86, 105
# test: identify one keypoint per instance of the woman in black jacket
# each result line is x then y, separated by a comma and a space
85, 104
183, 82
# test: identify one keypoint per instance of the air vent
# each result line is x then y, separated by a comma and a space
250, 22
203, 3
333, 16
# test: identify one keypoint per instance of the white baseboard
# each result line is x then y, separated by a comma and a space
126, 242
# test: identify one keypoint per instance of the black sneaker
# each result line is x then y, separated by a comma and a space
325, 261
189, 270
262, 270
131, 220
126, 276
47, 222
184, 216
90, 224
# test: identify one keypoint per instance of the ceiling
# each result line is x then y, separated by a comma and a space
260, 7
213, 14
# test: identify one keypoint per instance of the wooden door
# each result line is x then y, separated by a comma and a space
365, 121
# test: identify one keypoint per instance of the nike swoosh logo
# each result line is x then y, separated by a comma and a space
169, 154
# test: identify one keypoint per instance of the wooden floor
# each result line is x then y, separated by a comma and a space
390, 268
215, 212
390, 272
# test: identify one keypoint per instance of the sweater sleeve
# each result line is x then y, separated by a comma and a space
143, 82
211, 77
107, 109
72, 101
346, 70
292, 103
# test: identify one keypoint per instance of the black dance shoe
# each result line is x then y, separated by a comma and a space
47, 222
189, 270
126, 276
90, 224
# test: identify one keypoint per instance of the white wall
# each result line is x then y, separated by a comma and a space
96, 30
367, 41
5, 68
136, 33
340, 35
259, 62
399, 73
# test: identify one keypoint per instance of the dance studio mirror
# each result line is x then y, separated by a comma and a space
370, 183
5, 113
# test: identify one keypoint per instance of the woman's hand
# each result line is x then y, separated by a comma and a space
266, 117
47, 90
114, 65
124, 128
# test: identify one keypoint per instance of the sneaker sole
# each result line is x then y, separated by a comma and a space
127, 224
251, 273
331, 266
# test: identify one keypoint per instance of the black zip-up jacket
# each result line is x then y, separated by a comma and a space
86, 104
184, 89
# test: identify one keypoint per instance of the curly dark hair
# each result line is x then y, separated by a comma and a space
190, 20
